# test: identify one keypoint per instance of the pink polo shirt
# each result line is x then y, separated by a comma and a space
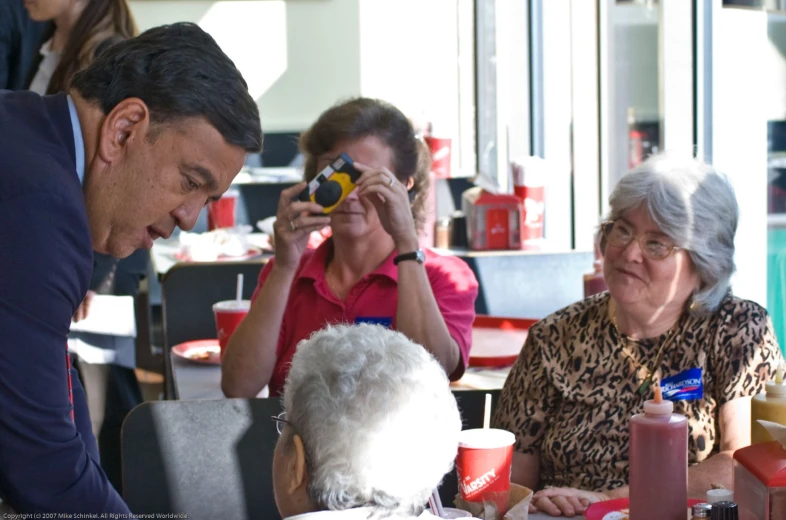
312, 305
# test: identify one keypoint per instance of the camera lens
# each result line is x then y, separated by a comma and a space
328, 194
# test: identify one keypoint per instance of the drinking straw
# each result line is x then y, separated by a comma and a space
487, 412
239, 290
436, 504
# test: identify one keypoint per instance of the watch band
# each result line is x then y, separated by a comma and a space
419, 256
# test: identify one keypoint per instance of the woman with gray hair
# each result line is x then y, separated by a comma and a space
668, 319
370, 427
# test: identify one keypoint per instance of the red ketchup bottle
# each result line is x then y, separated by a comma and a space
658, 462
594, 282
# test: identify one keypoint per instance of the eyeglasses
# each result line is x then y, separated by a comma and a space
654, 245
281, 420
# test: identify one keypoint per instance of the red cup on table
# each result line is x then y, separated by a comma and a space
483, 466
228, 315
440, 155
533, 198
221, 212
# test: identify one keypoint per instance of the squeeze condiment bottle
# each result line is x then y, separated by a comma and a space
658, 462
594, 282
770, 406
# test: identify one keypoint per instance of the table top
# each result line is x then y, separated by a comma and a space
201, 381
198, 381
162, 254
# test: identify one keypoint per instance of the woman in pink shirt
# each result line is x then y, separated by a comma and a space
371, 270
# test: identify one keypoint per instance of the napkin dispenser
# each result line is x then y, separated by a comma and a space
760, 477
493, 219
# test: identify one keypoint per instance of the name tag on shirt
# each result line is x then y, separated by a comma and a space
376, 320
685, 386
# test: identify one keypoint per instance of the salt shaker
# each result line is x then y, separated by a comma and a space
700, 511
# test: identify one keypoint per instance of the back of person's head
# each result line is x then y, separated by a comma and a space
695, 206
365, 117
377, 419
179, 72
101, 23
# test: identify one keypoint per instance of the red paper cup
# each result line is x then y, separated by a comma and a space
533, 198
483, 466
228, 315
221, 212
440, 155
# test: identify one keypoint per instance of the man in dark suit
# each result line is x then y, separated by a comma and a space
147, 134
20, 41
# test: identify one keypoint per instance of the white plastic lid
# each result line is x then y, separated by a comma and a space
776, 389
535, 171
452, 512
232, 306
719, 495
485, 438
662, 408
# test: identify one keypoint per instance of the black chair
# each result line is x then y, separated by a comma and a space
204, 459
188, 292
471, 404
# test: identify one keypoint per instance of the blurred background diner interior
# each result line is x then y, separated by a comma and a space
567, 95
590, 86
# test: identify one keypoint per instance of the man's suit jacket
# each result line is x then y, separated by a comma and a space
48, 455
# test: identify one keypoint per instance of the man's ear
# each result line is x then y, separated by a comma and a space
126, 123
298, 473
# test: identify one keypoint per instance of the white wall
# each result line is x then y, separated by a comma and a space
409, 53
557, 121
740, 136
635, 77
774, 60
300, 57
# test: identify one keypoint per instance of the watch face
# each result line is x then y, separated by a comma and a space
420, 256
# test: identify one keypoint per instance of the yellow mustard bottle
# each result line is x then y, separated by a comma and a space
770, 406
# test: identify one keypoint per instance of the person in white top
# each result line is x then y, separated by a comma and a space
370, 427
83, 29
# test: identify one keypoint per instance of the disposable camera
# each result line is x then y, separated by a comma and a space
332, 185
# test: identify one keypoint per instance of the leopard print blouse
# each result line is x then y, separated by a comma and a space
571, 393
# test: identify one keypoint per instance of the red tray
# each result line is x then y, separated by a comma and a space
497, 341
617, 509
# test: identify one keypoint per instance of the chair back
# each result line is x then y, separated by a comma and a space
203, 459
188, 292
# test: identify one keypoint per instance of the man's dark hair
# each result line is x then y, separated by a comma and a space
179, 71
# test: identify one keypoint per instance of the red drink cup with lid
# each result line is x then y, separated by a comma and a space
228, 315
483, 466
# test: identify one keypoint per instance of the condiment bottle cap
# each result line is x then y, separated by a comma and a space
658, 406
776, 388
724, 510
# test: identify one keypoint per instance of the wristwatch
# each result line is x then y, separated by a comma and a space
419, 256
